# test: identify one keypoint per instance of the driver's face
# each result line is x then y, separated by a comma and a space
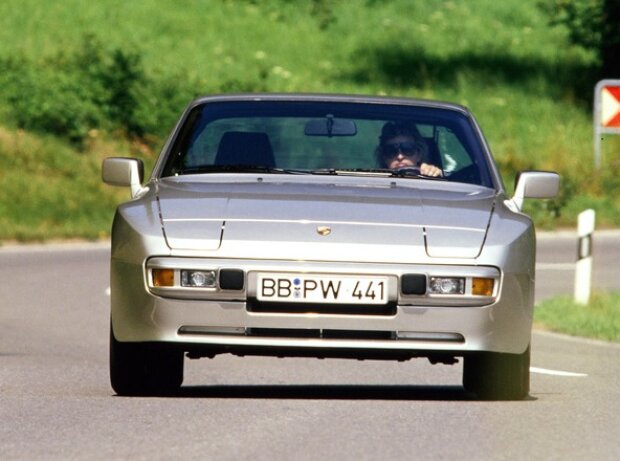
401, 152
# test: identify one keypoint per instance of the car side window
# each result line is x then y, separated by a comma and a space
453, 154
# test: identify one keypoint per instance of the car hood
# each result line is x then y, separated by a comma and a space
326, 221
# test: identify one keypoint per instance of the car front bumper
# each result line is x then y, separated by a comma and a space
428, 326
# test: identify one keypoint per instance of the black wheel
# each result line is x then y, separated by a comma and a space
496, 376
144, 368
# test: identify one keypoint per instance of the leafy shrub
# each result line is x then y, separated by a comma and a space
592, 24
101, 88
94, 88
50, 101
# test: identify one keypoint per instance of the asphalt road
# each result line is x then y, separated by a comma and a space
56, 403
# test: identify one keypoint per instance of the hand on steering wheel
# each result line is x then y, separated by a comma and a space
426, 169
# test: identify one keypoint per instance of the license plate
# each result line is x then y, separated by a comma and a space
318, 288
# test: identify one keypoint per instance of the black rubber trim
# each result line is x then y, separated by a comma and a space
413, 284
232, 279
388, 309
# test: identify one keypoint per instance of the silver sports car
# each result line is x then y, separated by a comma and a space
323, 226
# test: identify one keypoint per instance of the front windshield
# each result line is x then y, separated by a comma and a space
301, 137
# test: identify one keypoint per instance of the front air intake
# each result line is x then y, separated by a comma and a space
388, 309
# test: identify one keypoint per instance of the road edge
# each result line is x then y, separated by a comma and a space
576, 339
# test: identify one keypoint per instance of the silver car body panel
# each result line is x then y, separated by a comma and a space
357, 212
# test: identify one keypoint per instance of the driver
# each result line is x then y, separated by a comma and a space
402, 146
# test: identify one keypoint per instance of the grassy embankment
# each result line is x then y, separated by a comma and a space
92, 73
79, 82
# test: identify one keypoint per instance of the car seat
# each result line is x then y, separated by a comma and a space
245, 148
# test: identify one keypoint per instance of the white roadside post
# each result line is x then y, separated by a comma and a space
583, 269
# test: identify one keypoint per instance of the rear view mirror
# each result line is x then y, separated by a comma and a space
330, 126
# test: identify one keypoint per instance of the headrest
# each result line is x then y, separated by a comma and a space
245, 148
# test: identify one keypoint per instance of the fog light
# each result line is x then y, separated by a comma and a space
482, 286
447, 285
163, 277
198, 279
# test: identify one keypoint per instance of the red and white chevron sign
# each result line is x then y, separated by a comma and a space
610, 106
606, 114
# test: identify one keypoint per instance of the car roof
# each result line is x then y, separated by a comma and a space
326, 97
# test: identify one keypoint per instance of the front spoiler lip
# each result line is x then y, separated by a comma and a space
210, 345
324, 337
426, 343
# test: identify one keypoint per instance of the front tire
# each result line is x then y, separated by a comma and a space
144, 368
497, 376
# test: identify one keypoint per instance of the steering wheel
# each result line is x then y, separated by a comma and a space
408, 171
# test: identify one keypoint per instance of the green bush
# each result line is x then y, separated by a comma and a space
46, 100
94, 88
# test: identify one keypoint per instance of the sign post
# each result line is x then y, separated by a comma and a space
606, 114
583, 269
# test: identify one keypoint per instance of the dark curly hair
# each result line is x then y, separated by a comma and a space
393, 129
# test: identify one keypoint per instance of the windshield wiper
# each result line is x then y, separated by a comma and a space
353, 172
405, 172
239, 169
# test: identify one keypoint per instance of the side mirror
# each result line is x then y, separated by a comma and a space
124, 172
535, 184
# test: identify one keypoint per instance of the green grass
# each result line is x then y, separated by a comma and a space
50, 192
600, 319
529, 89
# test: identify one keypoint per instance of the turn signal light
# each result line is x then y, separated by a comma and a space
482, 286
163, 277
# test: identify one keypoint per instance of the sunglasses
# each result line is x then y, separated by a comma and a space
407, 148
